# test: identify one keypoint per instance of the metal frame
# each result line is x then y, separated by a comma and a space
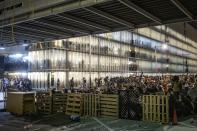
32, 28
109, 17
84, 22
61, 19
136, 8
183, 9
26, 34
63, 26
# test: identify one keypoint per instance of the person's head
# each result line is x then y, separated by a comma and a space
175, 78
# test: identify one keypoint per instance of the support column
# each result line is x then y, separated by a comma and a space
67, 70
90, 55
99, 57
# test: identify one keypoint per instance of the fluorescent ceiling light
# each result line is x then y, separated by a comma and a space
16, 55
2, 48
25, 45
164, 46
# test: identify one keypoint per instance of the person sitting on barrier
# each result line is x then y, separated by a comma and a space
58, 84
71, 84
159, 86
100, 82
177, 86
185, 86
96, 82
151, 87
165, 87
84, 85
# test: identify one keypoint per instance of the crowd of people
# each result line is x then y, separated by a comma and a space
181, 89
20, 84
145, 84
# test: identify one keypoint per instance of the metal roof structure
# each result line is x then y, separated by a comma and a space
44, 20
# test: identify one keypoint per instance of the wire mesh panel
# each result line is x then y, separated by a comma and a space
124, 105
156, 108
130, 107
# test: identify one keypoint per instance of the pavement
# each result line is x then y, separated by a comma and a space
33, 122
105, 124
61, 122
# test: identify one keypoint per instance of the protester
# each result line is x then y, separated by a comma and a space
21, 84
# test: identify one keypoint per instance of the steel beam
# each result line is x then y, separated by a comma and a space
30, 13
40, 29
7, 42
54, 26
182, 8
28, 5
84, 22
37, 30
164, 22
63, 26
110, 17
141, 11
25, 33
16, 37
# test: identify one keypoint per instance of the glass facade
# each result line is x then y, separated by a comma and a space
83, 57
110, 54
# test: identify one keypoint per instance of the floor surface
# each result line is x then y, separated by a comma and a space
61, 122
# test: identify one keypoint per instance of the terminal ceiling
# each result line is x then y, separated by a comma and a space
71, 18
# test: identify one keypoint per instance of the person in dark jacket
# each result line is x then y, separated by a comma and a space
176, 86
72, 84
